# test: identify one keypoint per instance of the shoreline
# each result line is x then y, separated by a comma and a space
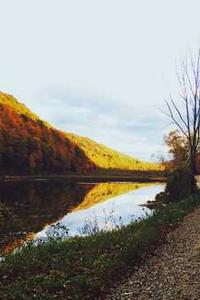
83, 178
110, 255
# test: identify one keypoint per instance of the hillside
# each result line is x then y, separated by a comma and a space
29, 145
107, 158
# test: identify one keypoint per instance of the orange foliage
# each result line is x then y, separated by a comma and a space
29, 146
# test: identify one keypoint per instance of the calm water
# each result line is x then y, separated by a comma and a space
38, 209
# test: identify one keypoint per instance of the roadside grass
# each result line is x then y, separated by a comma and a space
84, 267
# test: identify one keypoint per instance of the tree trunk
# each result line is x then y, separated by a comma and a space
193, 170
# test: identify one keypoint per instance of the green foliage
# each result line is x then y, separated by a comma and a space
82, 268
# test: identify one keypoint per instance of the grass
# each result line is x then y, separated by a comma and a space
84, 267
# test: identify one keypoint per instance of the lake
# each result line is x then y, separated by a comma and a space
37, 209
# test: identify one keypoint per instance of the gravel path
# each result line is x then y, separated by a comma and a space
173, 272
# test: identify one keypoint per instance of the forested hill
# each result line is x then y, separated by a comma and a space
28, 145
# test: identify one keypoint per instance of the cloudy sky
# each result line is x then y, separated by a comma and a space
98, 68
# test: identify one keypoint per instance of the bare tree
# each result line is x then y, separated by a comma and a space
186, 115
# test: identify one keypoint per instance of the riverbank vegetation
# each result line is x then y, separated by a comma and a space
84, 267
180, 181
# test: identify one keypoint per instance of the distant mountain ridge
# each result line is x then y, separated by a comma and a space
29, 145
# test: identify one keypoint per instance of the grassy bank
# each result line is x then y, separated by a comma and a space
83, 268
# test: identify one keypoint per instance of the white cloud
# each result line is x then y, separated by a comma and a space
109, 122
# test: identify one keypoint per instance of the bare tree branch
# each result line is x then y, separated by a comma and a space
187, 117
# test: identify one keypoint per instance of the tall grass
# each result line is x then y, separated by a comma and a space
84, 267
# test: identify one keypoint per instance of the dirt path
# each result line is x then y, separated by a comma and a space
173, 272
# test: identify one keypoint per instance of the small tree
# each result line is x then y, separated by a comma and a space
186, 116
178, 150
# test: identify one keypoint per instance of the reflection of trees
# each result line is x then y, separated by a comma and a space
104, 191
31, 206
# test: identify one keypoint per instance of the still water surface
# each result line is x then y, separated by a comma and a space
115, 211
35, 206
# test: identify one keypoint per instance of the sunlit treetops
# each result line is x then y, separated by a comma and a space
106, 158
30, 145
17, 106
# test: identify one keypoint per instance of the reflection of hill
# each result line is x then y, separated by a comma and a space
104, 191
26, 209
29, 207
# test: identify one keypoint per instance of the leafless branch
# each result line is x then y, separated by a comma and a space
187, 119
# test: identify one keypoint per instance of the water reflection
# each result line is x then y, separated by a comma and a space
27, 209
115, 204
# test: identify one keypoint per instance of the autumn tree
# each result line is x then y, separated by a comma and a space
178, 151
185, 114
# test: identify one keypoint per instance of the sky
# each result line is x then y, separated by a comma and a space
98, 68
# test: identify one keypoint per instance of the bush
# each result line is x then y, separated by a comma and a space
179, 185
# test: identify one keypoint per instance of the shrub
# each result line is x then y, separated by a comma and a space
179, 185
